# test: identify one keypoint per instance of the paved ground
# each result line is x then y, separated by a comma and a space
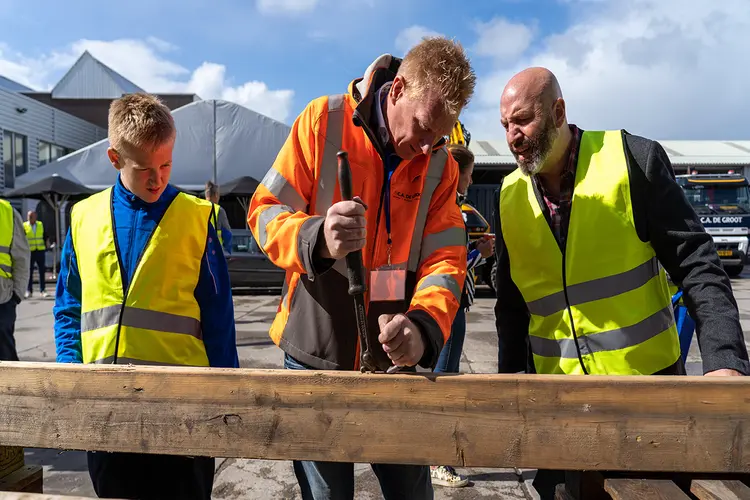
66, 473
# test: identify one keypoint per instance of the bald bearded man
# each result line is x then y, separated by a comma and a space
586, 227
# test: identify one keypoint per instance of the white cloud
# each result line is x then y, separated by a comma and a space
411, 36
143, 62
286, 6
502, 39
661, 68
209, 80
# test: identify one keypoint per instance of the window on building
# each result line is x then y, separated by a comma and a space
51, 152
19, 153
15, 156
8, 158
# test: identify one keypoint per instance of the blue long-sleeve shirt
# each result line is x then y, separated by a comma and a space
134, 221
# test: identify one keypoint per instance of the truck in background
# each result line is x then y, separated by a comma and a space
722, 201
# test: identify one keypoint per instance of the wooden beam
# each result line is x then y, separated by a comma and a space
696, 424
11, 458
643, 489
706, 489
28, 479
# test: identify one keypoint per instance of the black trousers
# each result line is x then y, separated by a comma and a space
7, 328
145, 477
38, 260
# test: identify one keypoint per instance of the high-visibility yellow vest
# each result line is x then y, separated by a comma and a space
215, 220
6, 238
607, 283
156, 320
35, 239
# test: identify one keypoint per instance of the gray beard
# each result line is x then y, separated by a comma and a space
540, 150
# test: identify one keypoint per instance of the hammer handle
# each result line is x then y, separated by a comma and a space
354, 266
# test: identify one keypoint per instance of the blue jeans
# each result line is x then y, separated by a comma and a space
450, 356
335, 480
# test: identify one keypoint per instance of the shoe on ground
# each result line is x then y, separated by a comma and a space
44, 294
27, 295
445, 475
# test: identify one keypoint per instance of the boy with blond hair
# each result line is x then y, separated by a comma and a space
143, 281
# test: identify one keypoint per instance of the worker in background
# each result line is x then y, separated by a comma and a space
14, 269
221, 221
586, 227
412, 234
34, 230
142, 281
450, 356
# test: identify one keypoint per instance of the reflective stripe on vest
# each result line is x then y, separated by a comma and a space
605, 298
6, 238
156, 321
36, 240
325, 191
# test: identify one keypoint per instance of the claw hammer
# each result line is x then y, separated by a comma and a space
356, 273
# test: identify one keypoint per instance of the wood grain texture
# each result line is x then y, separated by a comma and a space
11, 458
696, 424
27, 479
643, 489
719, 490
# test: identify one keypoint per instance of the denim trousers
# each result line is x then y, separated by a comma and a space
450, 356
335, 480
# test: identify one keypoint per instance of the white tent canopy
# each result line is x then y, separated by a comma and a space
216, 140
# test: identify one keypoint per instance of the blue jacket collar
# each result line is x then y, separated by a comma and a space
123, 196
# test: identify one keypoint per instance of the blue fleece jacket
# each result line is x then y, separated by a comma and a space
134, 221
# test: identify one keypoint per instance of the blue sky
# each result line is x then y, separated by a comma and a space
669, 69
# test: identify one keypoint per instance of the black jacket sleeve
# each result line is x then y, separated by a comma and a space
664, 217
511, 313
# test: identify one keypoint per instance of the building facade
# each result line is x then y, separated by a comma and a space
35, 134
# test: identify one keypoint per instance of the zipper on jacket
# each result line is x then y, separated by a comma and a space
122, 273
358, 121
126, 289
567, 301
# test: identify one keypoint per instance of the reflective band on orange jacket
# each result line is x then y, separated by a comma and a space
315, 321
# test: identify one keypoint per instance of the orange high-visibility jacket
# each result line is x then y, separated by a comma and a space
315, 322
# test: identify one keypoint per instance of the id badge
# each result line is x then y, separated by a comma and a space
387, 283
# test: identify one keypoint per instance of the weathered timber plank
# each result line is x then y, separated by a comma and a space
697, 424
719, 490
643, 489
27, 479
11, 458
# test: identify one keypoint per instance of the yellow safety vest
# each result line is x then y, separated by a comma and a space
156, 321
6, 238
607, 283
36, 241
215, 221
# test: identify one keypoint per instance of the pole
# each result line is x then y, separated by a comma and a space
214, 141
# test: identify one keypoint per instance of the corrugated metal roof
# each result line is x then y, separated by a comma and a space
13, 86
730, 153
89, 78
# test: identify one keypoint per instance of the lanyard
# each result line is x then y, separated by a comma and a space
388, 211
390, 166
